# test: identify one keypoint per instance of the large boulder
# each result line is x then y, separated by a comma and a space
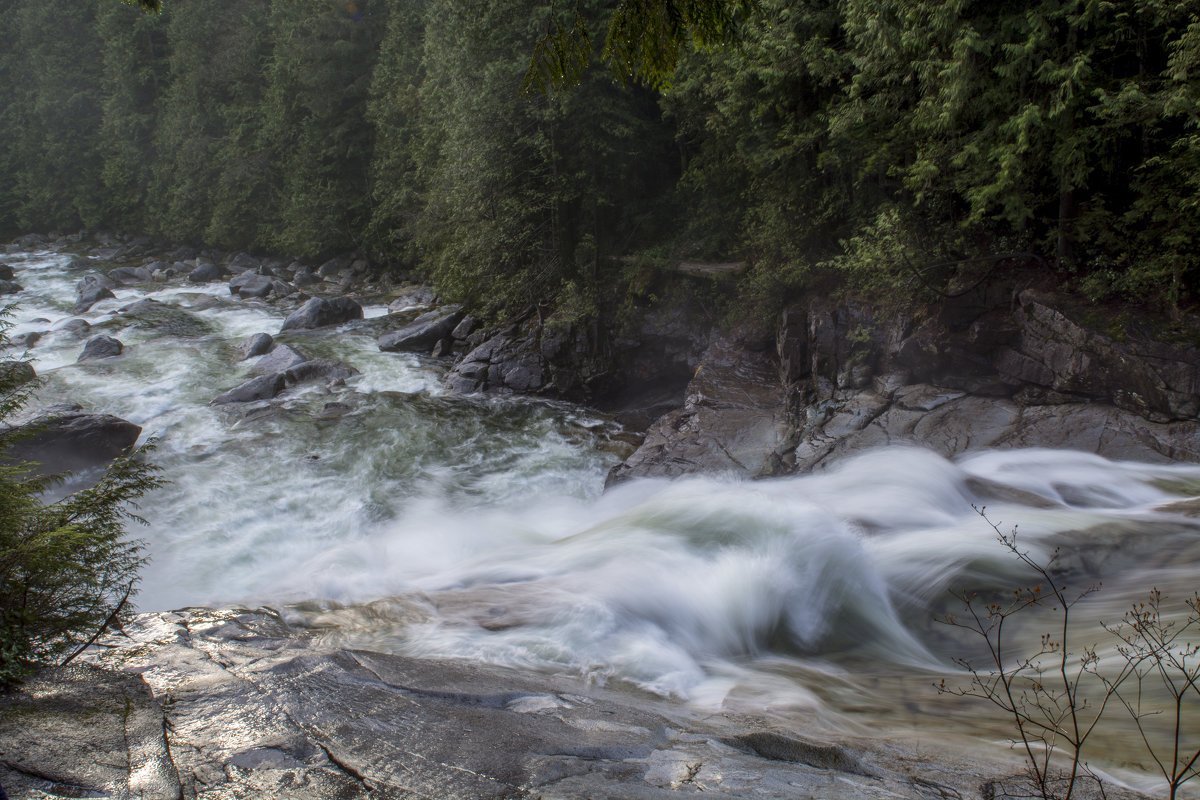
320, 312
92, 289
250, 284
205, 272
317, 370
18, 372
131, 275
9, 287
6, 272
279, 359
424, 332
70, 440
264, 387
101, 347
418, 297
243, 262
257, 345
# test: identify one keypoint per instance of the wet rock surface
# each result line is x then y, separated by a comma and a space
253, 709
101, 347
424, 332
70, 440
994, 370
734, 420
320, 312
83, 731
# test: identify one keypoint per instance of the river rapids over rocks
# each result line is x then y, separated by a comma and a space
388, 514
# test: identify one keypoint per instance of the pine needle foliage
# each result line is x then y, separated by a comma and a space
67, 568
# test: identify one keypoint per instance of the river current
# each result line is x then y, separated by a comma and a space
389, 514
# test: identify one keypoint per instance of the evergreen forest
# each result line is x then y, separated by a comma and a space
872, 147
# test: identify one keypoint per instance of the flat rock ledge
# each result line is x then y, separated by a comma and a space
245, 707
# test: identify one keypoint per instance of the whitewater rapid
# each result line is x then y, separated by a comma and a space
477, 527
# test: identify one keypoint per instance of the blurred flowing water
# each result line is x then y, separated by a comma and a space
476, 527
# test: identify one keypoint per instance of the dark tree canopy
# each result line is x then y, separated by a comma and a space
839, 143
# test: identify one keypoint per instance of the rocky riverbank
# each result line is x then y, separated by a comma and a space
235, 703
230, 703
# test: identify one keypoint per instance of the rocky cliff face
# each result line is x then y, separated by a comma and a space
989, 370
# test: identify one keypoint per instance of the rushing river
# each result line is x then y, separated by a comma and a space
389, 514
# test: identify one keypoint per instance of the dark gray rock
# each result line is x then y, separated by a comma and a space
205, 272
256, 345
74, 732
127, 276
280, 359
10, 287
250, 284
319, 369
282, 288
93, 279
243, 262
304, 277
6, 272
76, 327
424, 332
465, 328
414, 298
333, 268
319, 312
90, 293
17, 372
27, 339
734, 420
69, 440
264, 387
101, 347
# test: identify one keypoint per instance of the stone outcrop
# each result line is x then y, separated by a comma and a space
995, 369
734, 420
83, 731
257, 711
636, 370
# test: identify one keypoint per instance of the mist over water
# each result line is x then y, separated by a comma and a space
476, 527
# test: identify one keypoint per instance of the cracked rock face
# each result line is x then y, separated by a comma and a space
254, 709
81, 731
